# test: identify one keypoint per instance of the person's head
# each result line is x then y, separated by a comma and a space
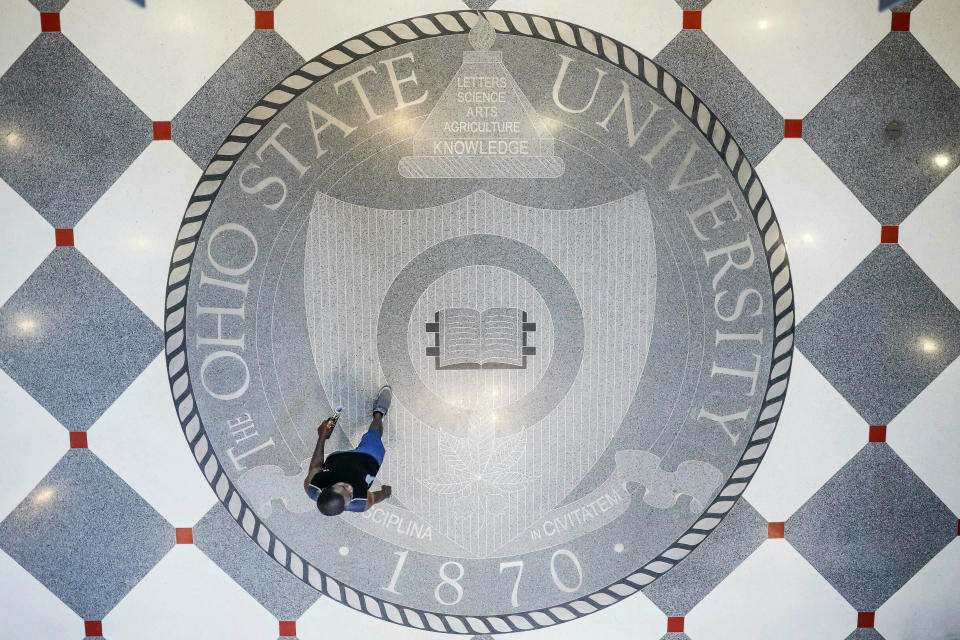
333, 499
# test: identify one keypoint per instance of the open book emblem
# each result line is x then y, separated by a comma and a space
469, 339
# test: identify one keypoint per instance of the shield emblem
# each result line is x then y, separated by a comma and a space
514, 338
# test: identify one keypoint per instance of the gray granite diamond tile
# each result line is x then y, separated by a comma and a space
899, 81
77, 132
871, 527
479, 5
220, 537
264, 5
681, 588
86, 535
263, 60
72, 340
693, 58
907, 6
675, 635
882, 335
692, 5
865, 634
49, 5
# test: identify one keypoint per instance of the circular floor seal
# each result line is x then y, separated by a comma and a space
559, 259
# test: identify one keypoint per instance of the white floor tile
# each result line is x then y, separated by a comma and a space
794, 52
646, 25
31, 442
312, 27
926, 434
925, 607
30, 610
129, 233
931, 235
936, 23
161, 55
188, 596
817, 434
773, 594
827, 231
26, 239
140, 438
19, 26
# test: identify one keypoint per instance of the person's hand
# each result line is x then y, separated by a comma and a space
385, 491
325, 429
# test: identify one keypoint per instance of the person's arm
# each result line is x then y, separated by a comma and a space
316, 462
373, 497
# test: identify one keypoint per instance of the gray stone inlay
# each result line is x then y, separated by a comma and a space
692, 5
218, 536
865, 634
99, 537
262, 61
739, 535
264, 5
871, 527
906, 6
898, 80
59, 344
440, 203
76, 131
694, 60
49, 5
882, 335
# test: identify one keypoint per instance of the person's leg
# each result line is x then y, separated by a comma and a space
377, 423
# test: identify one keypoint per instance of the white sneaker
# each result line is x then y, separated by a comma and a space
382, 405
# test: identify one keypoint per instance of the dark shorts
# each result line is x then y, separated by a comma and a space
370, 444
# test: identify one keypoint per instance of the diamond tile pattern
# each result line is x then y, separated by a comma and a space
899, 81
161, 68
699, 64
882, 335
283, 595
773, 594
75, 132
99, 537
255, 67
871, 527
88, 534
742, 531
53, 329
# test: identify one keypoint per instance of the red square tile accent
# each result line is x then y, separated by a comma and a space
78, 439
93, 628
288, 628
263, 19
793, 128
774, 529
865, 619
900, 21
675, 623
878, 433
184, 535
691, 19
161, 131
49, 21
889, 234
63, 237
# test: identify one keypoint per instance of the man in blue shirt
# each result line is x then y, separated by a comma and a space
342, 481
